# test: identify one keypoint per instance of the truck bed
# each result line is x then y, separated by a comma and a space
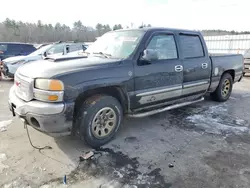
225, 62
228, 61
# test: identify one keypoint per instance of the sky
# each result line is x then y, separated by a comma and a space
186, 14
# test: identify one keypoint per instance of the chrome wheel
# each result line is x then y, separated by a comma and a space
104, 122
225, 90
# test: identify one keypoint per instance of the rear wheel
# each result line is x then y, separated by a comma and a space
224, 89
99, 119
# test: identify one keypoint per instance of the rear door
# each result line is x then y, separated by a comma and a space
196, 65
161, 79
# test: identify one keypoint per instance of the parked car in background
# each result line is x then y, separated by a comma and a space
247, 62
38, 46
137, 72
10, 49
10, 65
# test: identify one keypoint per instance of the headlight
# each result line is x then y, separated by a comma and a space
48, 90
49, 85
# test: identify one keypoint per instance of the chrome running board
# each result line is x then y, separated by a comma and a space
149, 113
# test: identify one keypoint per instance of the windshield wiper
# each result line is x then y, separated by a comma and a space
103, 54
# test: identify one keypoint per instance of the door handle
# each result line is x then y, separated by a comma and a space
204, 65
178, 68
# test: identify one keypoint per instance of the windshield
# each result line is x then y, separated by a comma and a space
119, 44
41, 50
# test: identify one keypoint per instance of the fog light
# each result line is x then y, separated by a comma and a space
53, 98
45, 97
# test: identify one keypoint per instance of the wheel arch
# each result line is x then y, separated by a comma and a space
231, 72
115, 91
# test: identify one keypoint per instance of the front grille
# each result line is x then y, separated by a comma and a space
23, 87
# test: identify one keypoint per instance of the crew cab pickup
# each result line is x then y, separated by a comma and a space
137, 72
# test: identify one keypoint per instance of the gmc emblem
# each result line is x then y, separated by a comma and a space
18, 83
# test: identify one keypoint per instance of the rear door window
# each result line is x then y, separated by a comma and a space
191, 46
15, 49
28, 49
75, 47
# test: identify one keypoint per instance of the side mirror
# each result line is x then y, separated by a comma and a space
45, 54
149, 55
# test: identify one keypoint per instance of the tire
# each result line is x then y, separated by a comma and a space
94, 117
224, 89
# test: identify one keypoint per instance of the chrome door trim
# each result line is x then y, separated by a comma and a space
195, 84
193, 87
158, 90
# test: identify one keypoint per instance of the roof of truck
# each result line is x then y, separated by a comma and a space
160, 29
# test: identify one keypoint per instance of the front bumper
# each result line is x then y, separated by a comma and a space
8, 72
52, 118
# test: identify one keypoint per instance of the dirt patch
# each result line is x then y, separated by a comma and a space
221, 169
227, 160
245, 138
229, 167
131, 139
117, 169
192, 180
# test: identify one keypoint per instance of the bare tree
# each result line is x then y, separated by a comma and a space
17, 31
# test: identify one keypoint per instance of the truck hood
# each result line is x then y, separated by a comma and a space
49, 68
13, 59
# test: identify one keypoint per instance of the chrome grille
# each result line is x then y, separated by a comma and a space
23, 87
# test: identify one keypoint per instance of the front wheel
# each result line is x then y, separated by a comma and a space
224, 89
99, 119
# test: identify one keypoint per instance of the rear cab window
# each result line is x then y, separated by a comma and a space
29, 49
191, 46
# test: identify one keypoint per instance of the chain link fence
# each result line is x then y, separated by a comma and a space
230, 44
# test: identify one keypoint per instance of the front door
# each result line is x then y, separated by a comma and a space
161, 79
196, 65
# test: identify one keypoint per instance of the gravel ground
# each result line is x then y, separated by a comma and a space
202, 145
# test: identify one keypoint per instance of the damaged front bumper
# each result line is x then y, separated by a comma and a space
8, 71
55, 119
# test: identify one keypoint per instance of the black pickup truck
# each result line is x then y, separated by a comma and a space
137, 72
